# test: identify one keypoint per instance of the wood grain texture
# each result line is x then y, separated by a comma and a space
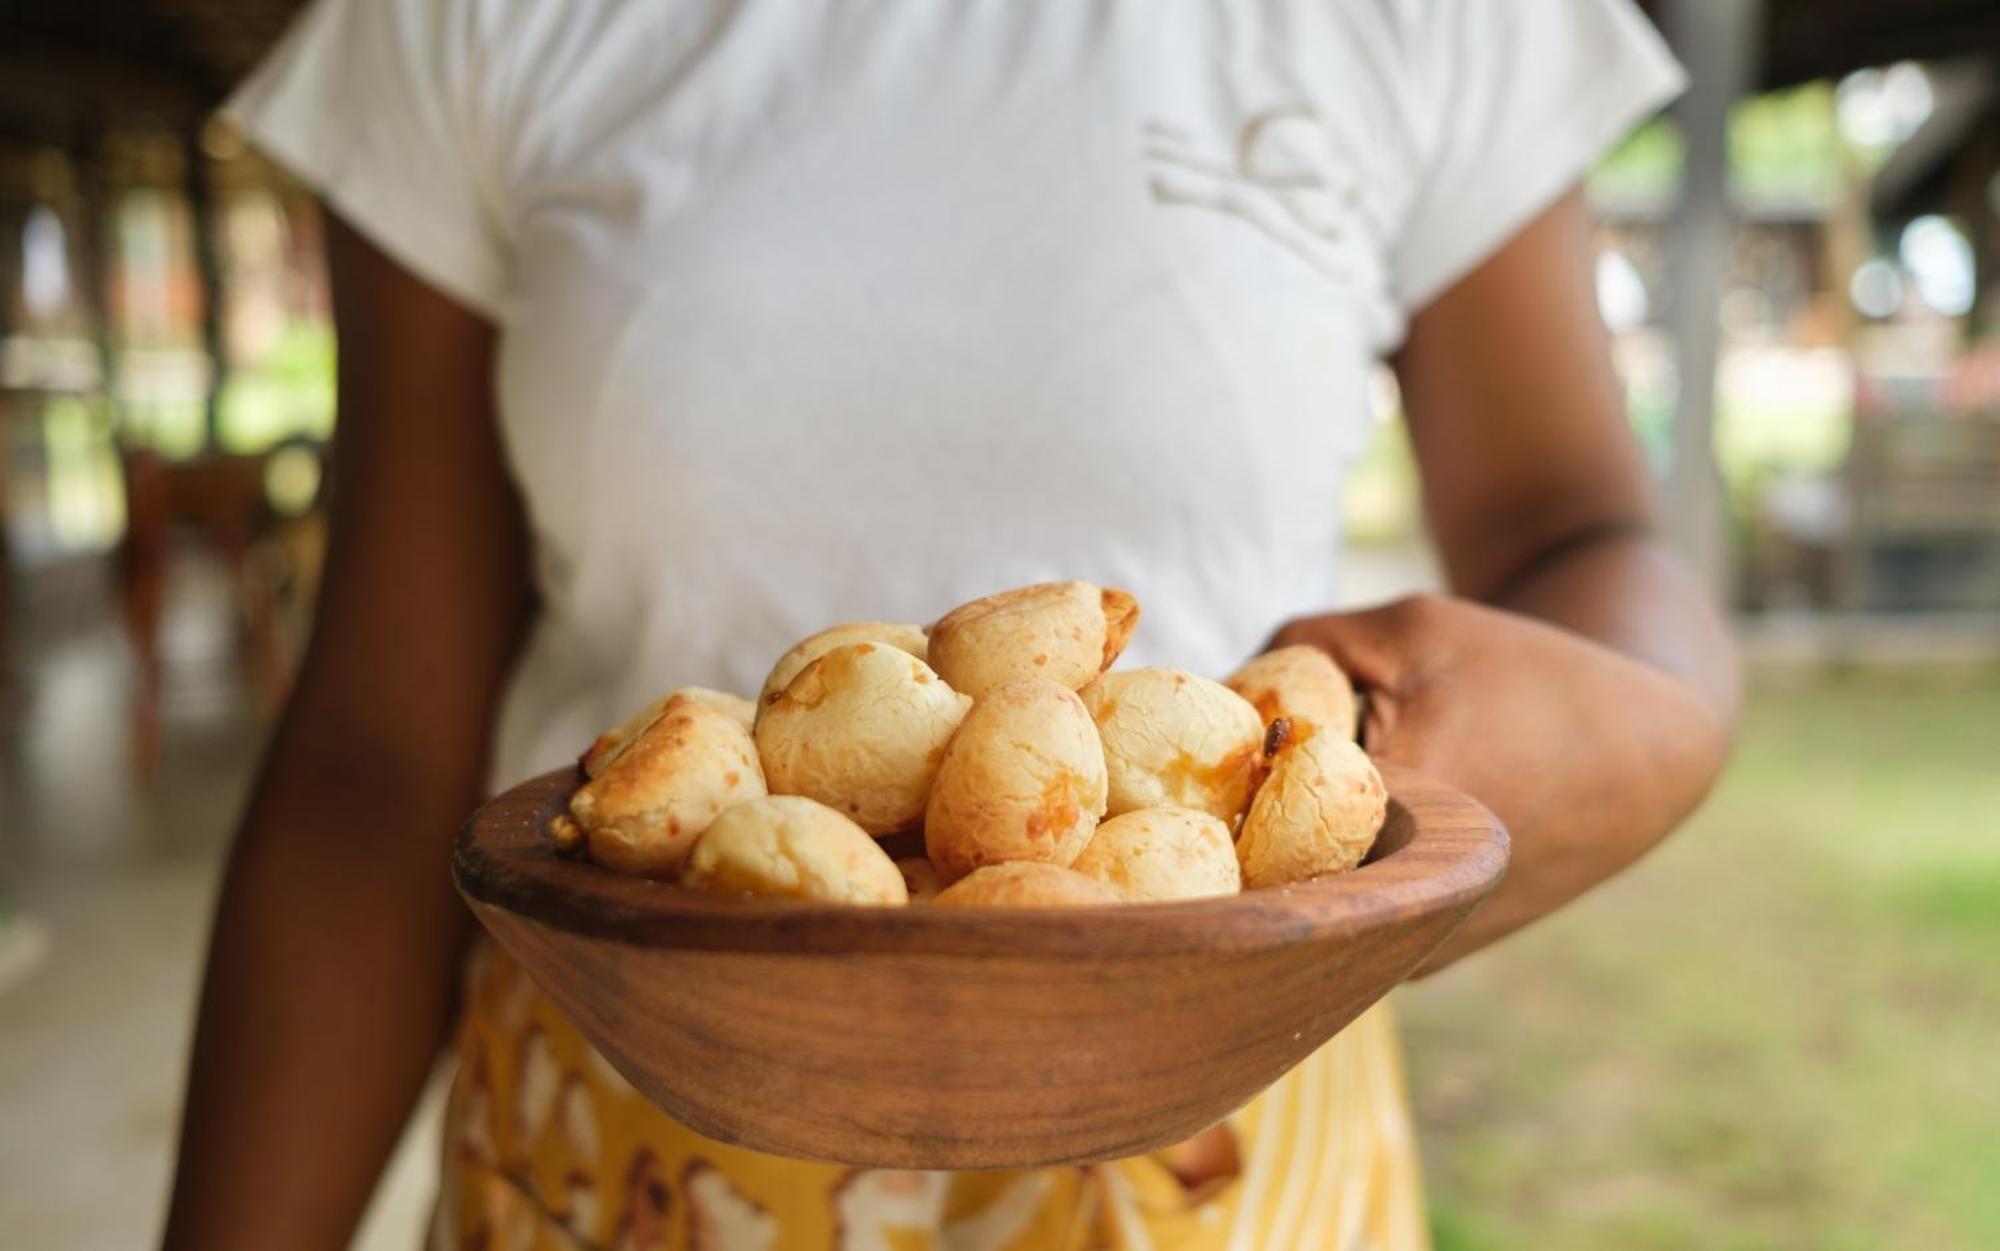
962, 1039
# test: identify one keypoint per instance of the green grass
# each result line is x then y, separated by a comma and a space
1781, 1031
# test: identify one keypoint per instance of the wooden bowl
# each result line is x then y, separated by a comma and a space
961, 1039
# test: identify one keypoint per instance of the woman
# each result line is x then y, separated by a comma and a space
673, 331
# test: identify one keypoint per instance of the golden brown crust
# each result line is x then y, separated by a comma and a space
605, 748
1025, 884
1121, 618
643, 811
1023, 779
1301, 684
790, 847
1163, 853
899, 635
568, 836
1057, 631
861, 729
1174, 739
1318, 812
1277, 735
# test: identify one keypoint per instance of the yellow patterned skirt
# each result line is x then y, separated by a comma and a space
546, 1146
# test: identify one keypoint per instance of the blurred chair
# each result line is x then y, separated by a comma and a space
217, 501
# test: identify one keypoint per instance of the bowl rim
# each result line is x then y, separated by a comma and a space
1452, 850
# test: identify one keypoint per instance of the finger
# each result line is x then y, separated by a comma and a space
1380, 717
1371, 646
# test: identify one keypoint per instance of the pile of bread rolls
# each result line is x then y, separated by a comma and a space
1039, 776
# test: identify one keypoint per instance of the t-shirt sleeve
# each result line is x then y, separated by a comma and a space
1527, 94
373, 104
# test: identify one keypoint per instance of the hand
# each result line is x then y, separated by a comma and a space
1588, 756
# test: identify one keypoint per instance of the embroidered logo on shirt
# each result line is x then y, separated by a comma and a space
1280, 178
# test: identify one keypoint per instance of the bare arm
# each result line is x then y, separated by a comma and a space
1534, 486
1583, 687
331, 968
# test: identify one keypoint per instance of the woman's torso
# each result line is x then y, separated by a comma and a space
824, 313
834, 312
817, 312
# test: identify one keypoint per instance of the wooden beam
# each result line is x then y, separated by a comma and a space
1800, 40
1808, 39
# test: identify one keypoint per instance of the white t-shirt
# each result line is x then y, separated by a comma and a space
822, 311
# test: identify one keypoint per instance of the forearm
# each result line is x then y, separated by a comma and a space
1644, 746
333, 962
1592, 739
328, 993
1621, 588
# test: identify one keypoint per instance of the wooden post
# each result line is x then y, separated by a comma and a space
1717, 40
208, 272
13, 220
96, 203
1974, 199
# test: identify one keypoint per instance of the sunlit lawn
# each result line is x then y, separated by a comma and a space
1782, 1031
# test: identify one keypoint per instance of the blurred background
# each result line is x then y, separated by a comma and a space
1801, 268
